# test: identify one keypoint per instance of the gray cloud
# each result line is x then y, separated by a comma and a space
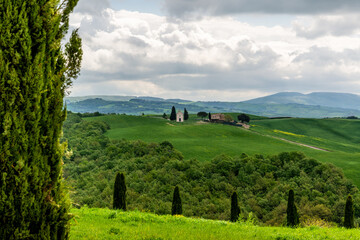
224, 7
92, 7
334, 25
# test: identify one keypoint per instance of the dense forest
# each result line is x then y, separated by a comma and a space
153, 169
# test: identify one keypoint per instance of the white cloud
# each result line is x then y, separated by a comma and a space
145, 54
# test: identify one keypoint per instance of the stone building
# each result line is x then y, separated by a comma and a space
217, 117
179, 117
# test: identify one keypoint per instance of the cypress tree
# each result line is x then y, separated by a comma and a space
235, 210
209, 116
173, 114
186, 114
176, 208
292, 218
119, 200
349, 213
35, 73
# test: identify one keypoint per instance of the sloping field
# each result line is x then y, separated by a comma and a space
204, 141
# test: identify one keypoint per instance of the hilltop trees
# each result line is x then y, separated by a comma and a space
243, 118
235, 210
176, 208
292, 217
36, 72
349, 213
119, 199
202, 114
186, 114
173, 114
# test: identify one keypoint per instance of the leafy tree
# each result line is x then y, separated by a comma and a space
209, 116
243, 118
202, 114
235, 210
173, 114
119, 200
228, 118
36, 71
292, 218
349, 213
164, 116
176, 208
186, 114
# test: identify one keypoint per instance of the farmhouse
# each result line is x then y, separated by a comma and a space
217, 117
179, 117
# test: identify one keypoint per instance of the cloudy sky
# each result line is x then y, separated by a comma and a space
228, 50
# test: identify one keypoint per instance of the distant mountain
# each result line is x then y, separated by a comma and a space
326, 99
137, 106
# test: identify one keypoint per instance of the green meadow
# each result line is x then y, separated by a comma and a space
95, 223
204, 141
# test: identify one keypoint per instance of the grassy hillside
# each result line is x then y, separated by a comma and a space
204, 141
112, 224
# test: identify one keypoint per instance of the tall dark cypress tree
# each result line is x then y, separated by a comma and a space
209, 116
292, 218
173, 114
186, 114
349, 213
119, 200
35, 72
235, 210
176, 208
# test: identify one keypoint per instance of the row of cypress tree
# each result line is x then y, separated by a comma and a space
292, 216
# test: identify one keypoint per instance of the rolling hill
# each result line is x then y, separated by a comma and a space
204, 141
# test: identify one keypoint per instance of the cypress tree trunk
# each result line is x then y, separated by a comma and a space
349, 213
235, 210
173, 114
119, 200
34, 75
291, 211
176, 203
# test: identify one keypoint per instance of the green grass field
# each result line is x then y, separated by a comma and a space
92, 223
204, 141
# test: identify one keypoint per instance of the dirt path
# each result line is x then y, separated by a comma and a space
289, 141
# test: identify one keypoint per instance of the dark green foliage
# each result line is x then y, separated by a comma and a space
166, 144
176, 208
349, 213
173, 114
152, 170
186, 114
119, 199
243, 118
202, 114
235, 209
209, 116
34, 75
292, 216
164, 116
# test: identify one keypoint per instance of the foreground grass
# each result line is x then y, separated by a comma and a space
94, 223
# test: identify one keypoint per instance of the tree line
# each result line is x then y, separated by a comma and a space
292, 216
153, 169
